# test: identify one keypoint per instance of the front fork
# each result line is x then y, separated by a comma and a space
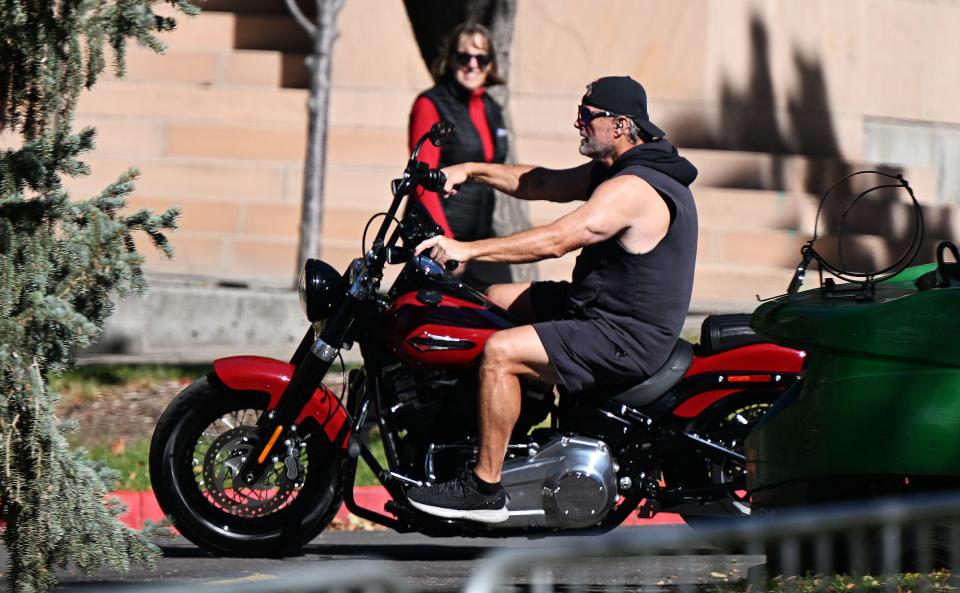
279, 425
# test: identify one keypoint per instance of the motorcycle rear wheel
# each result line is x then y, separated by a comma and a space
726, 423
193, 455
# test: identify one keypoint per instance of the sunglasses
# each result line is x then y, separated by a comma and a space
463, 58
585, 116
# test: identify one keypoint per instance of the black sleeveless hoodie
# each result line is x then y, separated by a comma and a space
640, 301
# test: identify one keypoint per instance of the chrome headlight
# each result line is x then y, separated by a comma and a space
322, 289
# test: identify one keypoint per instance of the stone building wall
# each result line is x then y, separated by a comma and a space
771, 99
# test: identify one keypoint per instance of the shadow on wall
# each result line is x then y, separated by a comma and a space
748, 121
268, 25
805, 157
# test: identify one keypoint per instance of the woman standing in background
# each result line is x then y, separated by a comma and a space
464, 69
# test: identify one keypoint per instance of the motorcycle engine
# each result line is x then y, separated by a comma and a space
552, 481
570, 482
438, 411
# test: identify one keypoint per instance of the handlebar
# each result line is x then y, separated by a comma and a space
434, 180
416, 173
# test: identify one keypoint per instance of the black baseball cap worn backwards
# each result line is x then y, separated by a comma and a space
624, 96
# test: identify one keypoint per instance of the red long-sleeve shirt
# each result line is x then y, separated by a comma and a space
422, 117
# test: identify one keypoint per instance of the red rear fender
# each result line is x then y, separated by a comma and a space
271, 376
755, 357
754, 364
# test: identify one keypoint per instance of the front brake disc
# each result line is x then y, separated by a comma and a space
221, 467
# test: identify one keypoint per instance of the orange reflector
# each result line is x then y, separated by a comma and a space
748, 378
273, 439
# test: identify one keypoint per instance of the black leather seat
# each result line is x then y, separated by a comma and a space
720, 333
668, 375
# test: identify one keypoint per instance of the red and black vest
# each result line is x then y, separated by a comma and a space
470, 212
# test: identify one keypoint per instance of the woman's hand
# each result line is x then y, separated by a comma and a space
443, 249
456, 175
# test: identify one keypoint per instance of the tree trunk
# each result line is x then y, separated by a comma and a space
509, 215
432, 20
323, 32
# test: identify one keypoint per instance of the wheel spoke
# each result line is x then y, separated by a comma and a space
218, 454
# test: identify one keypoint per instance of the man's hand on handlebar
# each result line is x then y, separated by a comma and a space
444, 250
456, 175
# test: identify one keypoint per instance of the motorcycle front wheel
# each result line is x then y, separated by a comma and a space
197, 448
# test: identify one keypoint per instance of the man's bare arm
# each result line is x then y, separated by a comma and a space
526, 182
618, 205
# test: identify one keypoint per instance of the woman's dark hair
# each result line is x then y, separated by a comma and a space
446, 62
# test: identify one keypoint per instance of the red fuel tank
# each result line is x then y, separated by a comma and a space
429, 328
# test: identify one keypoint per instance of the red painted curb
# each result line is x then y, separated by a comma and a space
142, 506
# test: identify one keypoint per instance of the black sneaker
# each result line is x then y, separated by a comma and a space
460, 499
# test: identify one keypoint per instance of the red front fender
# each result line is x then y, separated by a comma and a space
271, 376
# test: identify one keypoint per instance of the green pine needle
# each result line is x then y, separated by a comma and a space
61, 264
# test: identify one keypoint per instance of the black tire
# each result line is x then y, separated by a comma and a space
727, 423
307, 509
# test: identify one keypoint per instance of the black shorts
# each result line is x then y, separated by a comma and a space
583, 353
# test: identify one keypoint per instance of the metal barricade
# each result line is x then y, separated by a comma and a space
880, 538
885, 537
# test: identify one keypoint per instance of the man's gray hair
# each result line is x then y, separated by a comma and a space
634, 132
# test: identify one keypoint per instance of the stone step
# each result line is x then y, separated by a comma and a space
175, 179
346, 146
277, 182
256, 6
342, 225
280, 32
230, 30
215, 67
721, 288
236, 142
208, 30
152, 101
384, 112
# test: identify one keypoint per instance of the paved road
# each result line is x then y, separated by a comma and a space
425, 564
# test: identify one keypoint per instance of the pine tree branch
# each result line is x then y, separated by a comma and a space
61, 263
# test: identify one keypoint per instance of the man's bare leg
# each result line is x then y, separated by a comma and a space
508, 355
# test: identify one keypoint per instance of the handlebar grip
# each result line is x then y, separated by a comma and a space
451, 265
434, 181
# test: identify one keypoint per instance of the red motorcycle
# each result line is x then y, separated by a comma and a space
257, 457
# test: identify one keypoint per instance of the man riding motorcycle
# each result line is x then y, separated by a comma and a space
619, 318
